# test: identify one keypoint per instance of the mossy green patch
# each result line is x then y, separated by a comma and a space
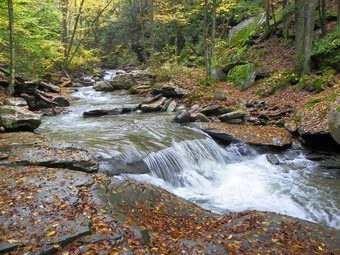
312, 103
242, 76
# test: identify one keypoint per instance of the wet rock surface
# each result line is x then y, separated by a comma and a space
47, 211
258, 135
43, 152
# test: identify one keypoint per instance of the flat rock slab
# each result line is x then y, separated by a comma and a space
45, 210
40, 207
16, 149
259, 135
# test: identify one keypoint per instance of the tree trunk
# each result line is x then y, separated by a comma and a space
322, 16
273, 12
309, 32
213, 36
267, 16
142, 25
10, 89
299, 35
64, 10
70, 43
285, 19
206, 41
338, 18
152, 34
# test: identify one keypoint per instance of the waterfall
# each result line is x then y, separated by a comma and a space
238, 178
196, 155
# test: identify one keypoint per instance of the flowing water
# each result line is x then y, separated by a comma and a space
148, 147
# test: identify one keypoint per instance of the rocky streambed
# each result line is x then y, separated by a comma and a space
55, 197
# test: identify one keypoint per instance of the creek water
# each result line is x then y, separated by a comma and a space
147, 147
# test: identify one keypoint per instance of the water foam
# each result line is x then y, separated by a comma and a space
238, 178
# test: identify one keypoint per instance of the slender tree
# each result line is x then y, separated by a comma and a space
70, 42
285, 19
64, 10
207, 57
322, 16
10, 88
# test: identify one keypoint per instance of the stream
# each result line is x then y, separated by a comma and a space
147, 147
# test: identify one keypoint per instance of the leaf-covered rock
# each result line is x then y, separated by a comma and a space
14, 118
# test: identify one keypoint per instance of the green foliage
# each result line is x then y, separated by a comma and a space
85, 60
328, 44
37, 35
318, 83
312, 103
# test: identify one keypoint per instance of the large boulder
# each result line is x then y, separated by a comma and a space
182, 117
218, 74
103, 86
14, 118
168, 91
334, 122
124, 81
241, 33
61, 101
242, 76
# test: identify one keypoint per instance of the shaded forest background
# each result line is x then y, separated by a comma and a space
74, 36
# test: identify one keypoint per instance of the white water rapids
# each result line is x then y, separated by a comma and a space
237, 178
191, 165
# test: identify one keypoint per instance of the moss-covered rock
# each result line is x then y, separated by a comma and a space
241, 33
103, 86
242, 76
232, 57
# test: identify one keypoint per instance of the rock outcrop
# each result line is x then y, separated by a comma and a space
14, 118
334, 122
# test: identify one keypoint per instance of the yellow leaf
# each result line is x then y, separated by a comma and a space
52, 233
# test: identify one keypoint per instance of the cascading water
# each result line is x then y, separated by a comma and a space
237, 178
190, 164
